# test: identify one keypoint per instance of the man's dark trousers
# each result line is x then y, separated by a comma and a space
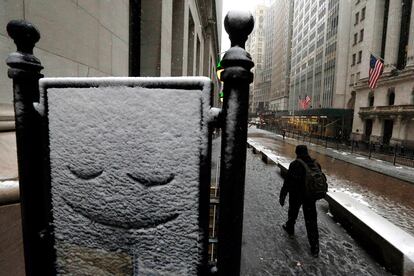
310, 214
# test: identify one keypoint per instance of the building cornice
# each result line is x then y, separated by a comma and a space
406, 75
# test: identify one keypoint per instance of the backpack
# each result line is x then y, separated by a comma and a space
316, 185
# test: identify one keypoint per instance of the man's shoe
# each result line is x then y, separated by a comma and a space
289, 231
315, 251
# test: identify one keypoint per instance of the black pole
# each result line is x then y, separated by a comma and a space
134, 38
395, 155
25, 71
369, 150
236, 77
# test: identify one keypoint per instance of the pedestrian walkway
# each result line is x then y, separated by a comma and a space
401, 172
267, 249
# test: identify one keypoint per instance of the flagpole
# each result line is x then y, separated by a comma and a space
377, 56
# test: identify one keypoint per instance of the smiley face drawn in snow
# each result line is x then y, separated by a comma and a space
128, 167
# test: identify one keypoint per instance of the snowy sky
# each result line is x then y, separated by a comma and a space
235, 5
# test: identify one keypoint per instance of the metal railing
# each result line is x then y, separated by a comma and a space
396, 154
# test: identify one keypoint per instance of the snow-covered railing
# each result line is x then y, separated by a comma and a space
114, 173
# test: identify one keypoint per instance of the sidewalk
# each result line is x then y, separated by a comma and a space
267, 249
401, 172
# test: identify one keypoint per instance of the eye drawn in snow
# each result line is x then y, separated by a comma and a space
152, 181
85, 174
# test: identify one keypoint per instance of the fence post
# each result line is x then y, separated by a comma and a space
237, 77
395, 154
25, 71
369, 150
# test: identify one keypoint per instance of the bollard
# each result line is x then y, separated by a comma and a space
25, 71
352, 146
369, 150
395, 155
326, 141
236, 77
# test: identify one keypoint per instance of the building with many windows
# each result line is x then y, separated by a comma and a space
319, 63
384, 28
278, 52
255, 45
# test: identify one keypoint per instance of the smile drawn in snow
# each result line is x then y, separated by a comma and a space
153, 181
118, 222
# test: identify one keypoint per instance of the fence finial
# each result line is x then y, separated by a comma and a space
238, 24
24, 34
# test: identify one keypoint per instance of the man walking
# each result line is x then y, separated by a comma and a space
295, 185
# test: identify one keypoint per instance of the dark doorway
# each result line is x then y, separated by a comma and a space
368, 129
388, 125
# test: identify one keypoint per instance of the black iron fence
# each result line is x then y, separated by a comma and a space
396, 154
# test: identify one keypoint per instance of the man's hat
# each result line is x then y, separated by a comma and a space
301, 150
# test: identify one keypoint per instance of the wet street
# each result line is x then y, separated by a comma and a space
387, 196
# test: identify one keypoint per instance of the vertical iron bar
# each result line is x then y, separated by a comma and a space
25, 71
395, 155
134, 38
236, 77
369, 150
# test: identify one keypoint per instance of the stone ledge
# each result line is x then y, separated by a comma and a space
7, 125
9, 192
390, 244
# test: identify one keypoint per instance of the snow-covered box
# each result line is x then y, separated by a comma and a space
129, 173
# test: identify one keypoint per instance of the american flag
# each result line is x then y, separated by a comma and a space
304, 103
375, 71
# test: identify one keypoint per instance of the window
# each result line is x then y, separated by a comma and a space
361, 35
363, 14
412, 96
371, 99
352, 79
357, 76
359, 56
356, 18
391, 95
355, 38
353, 59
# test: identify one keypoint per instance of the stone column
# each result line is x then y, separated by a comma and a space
393, 35
410, 53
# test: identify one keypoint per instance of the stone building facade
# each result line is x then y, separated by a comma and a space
89, 38
278, 52
385, 115
255, 45
319, 61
